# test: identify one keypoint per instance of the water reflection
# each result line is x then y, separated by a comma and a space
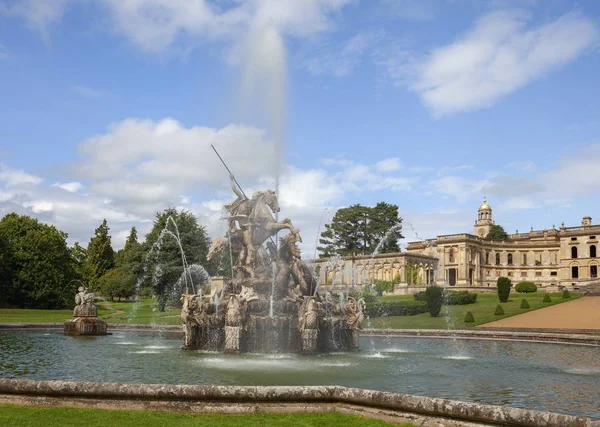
529, 375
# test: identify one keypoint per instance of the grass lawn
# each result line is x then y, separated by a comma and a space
483, 311
19, 416
110, 312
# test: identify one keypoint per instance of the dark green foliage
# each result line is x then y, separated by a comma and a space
459, 298
166, 265
526, 287
499, 310
525, 304
503, 288
420, 296
547, 298
36, 266
100, 254
435, 299
566, 294
359, 230
381, 286
469, 318
496, 233
80, 263
404, 308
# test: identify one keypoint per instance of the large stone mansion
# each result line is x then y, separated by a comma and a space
552, 257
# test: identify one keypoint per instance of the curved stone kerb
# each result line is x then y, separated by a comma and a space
501, 415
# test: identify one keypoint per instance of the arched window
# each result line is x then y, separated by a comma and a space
487, 257
497, 259
509, 259
574, 252
593, 251
451, 255
524, 259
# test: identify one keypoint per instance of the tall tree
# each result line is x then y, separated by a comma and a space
496, 233
166, 264
100, 254
358, 230
80, 262
40, 268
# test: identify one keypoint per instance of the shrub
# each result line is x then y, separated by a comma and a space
547, 298
525, 304
469, 317
435, 299
382, 286
566, 294
499, 310
459, 298
403, 308
526, 287
420, 296
503, 288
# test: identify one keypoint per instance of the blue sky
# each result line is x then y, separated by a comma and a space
108, 109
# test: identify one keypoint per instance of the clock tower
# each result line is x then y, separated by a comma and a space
484, 220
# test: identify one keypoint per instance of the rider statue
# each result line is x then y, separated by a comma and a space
239, 214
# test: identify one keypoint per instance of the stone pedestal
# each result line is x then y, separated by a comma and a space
232, 339
310, 339
85, 322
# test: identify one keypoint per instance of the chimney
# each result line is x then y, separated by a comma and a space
587, 220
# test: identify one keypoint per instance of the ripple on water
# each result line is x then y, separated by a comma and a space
376, 355
265, 364
144, 352
583, 371
457, 357
126, 343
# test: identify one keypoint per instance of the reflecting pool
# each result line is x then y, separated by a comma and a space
541, 376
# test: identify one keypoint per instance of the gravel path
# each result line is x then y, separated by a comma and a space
582, 313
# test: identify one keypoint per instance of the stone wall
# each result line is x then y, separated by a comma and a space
239, 399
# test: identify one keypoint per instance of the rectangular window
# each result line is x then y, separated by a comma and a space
592, 237
575, 272
593, 271
573, 239
538, 273
523, 274
510, 274
553, 273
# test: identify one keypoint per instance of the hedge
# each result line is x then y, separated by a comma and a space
547, 298
459, 298
469, 317
451, 297
435, 299
525, 304
499, 310
566, 294
526, 287
398, 308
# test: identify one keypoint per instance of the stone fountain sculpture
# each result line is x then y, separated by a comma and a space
271, 303
85, 316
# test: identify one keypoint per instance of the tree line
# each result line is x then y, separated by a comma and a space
39, 270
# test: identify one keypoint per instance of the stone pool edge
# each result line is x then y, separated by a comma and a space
512, 335
244, 399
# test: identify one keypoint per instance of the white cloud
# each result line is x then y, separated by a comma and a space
15, 177
458, 187
576, 175
4, 53
71, 187
39, 15
88, 92
498, 56
389, 165
340, 60
517, 204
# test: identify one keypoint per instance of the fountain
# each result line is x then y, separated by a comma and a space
85, 316
271, 304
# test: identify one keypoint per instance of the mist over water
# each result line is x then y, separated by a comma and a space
263, 93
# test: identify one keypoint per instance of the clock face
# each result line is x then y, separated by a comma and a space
481, 232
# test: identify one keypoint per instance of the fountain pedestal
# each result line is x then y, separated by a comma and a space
85, 317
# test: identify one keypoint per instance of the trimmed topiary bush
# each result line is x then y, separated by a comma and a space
503, 288
566, 294
547, 298
525, 304
499, 310
459, 298
435, 299
469, 317
526, 287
